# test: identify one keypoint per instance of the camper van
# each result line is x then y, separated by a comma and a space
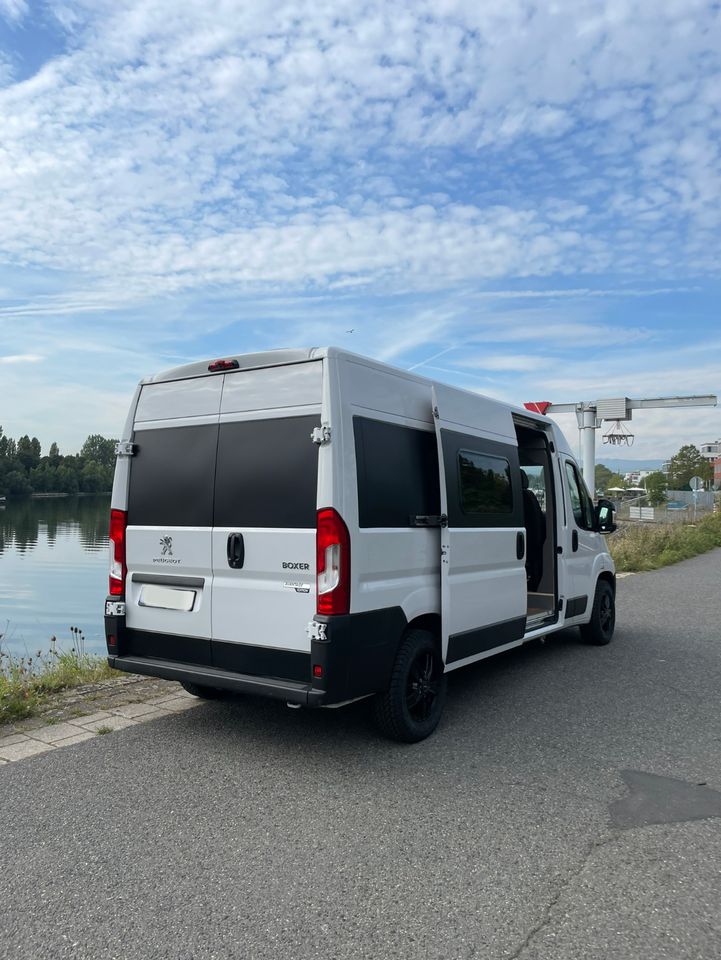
315, 526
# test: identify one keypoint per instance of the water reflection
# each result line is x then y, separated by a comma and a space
53, 571
84, 518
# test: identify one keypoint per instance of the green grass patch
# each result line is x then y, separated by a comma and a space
650, 546
27, 682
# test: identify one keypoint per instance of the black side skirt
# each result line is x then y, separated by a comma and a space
471, 642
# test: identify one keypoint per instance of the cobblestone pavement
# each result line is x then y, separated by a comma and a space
124, 705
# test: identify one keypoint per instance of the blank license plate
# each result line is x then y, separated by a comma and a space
167, 598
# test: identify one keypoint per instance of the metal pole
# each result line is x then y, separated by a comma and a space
588, 433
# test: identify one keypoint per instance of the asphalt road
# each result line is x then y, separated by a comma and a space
250, 830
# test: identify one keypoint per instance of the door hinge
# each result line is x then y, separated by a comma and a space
321, 435
316, 631
436, 414
114, 608
125, 448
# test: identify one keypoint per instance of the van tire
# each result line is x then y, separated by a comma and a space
417, 662
205, 693
599, 630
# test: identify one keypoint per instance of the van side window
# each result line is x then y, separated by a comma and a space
485, 483
397, 473
581, 504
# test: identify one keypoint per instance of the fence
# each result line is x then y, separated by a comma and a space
678, 508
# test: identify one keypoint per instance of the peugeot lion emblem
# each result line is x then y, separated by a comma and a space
167, 544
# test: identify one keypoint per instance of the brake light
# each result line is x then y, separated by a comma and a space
332, 563
217, 365
118, 570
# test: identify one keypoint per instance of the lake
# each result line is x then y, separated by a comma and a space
53, 572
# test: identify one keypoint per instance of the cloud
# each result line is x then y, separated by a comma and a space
172, 147
13, 10
481, 187
21, 358
508, 363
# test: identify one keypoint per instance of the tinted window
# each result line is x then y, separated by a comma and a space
171, 477
581, 504
397, 473
485, 483
267, 473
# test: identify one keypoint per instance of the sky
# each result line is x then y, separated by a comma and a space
518, 198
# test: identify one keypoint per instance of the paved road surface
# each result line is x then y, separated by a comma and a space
249, 830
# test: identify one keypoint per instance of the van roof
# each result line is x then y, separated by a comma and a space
246, 361
283, 356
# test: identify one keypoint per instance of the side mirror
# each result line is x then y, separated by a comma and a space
604, 517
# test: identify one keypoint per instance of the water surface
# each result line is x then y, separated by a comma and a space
53, 572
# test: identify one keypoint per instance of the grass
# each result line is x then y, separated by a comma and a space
650, 546
27, 682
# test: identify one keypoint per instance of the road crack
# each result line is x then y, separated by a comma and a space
565, 885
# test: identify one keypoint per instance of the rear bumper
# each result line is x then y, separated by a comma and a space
289, 690
354, 660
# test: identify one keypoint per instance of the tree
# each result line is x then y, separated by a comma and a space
688, 463
54, 453
656, 485
17, 483
603, 475
99, 449
28, 452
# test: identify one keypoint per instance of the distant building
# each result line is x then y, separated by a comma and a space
636, 477
711, 451
717, 473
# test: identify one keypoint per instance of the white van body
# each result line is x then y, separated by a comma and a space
231, 473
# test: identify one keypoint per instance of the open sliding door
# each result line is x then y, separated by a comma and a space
483, 577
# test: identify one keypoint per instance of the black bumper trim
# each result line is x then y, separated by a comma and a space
288, 690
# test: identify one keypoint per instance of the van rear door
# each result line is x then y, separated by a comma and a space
170, 516
263, 540
483, 577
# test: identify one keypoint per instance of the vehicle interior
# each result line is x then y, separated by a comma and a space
539, 521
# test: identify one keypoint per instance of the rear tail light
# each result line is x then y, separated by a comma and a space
332, 563
118, 570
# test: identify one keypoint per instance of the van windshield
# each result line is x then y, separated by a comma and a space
249, 473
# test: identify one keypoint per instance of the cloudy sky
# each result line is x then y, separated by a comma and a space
519, 198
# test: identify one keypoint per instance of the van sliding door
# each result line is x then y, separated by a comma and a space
483, 578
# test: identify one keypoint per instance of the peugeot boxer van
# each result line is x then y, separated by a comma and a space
318, 527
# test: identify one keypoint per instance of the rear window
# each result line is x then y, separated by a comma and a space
267, 473
397, 473
171, 477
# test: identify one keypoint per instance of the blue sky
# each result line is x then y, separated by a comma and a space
519, 198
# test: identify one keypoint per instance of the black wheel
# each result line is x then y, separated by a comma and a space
409, 710
205, 693
599, 629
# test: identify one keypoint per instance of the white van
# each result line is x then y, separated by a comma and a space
315, 526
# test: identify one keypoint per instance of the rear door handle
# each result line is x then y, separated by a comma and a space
236, 551
574, 540
520, 546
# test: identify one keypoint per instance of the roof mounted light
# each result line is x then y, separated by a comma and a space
217, 365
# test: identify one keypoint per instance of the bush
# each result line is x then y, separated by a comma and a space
649, 546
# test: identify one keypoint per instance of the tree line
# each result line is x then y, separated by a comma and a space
24, 470
689, 462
